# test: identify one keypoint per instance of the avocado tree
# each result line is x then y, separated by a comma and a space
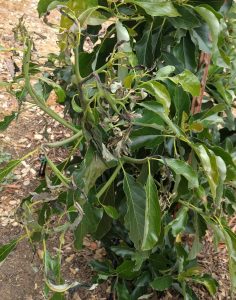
148, 88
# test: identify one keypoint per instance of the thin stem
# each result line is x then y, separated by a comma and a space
135, 160
76, 51
109, 182
64, 142
38, 101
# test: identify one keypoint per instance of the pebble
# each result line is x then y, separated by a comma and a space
38, 137
23, 140
15, 224
32, 171
26, 182
12, 202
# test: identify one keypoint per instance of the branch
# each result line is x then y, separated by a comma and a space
205, 59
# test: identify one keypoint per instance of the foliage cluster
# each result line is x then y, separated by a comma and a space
148, 88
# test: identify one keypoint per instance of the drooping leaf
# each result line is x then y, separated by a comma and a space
156, 7
44, 4
188, 81
162, 283
126, 270
5, 250
186, 20
209, 164
185, 53
122, 291
230, 239
7, 121
184, 169
134, 218
8, 168
200, 37
60, 288
158, 91
179, 223
144, 46
111, 211
206, 280
212, 22
92, 217
164, 72
152, 225
61, 95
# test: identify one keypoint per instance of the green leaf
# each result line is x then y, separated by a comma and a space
209, 164
90, 170
144, 46
8, 168
159, 110
152, 225
7, 121
57, 296
188, 81
57, 172
164, 72
111, 211
185, 53
209, 282
182, 103
216, 4
212, 22
5, 250
187, 20
89, 223
134, 218
182, 168
179, 223
61, 95
162, 283
44, 4
126, 270
122, 291
156, 7
200, 36
75, 106
123, 38
230, 239
159, 91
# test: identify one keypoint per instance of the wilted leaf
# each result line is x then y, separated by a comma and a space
7, 121
5, 250
8, 168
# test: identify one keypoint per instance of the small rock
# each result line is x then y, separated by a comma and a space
38, 137
74, 271
70, 258
23, 140
40, 254
32, 171
26, 183
12, 202
15, 224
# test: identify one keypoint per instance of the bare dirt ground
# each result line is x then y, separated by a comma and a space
21, 276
